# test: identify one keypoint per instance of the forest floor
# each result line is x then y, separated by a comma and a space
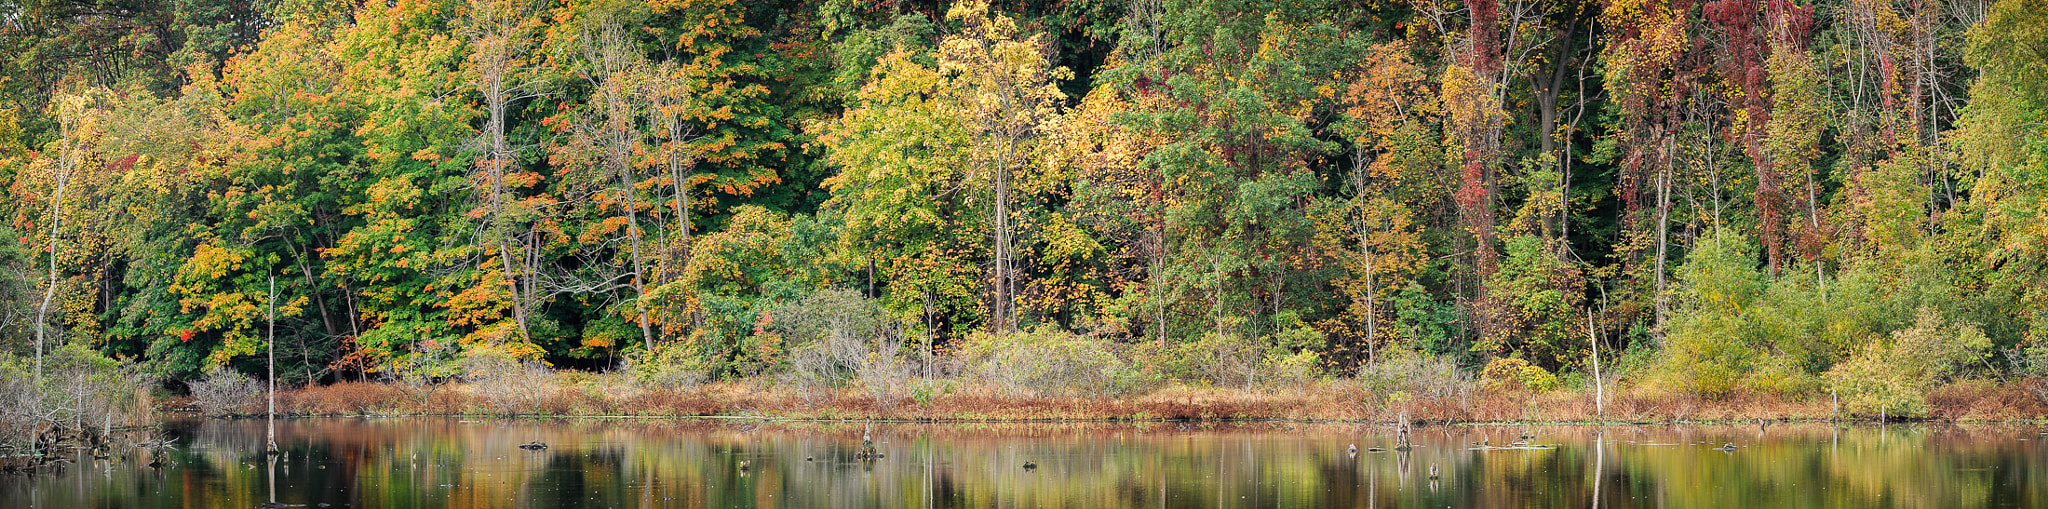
1329, 400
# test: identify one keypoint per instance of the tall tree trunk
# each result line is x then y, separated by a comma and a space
50, 290
270, 364
500, 157
1663, 299
633, 232
1359, 167
1005, 312
499, 42
67, 165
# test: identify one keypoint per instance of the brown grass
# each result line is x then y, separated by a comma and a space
1975, 400
1326, 400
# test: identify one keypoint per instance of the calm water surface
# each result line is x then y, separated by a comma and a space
448, 462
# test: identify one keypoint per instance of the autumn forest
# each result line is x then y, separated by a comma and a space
1794, 199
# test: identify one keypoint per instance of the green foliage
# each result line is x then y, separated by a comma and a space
1412, 375
1048, 362
840, 194
1539, 295
671, 366
1431, 324
1891, 377
1512, 374
1710, 345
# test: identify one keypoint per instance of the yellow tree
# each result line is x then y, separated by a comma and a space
51, 176
1117, 197
1004, 85
1388, 110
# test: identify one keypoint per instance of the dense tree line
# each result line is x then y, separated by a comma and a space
1753, 196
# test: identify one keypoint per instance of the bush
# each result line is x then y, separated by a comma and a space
837, 337
508, 384
224, 392
1892, 378
1229, 361
1285, 370
18, 416
83, 393
673, 366
1051, 362
1223, 360
423, 371
1514, 375
2031, 363
1415, 376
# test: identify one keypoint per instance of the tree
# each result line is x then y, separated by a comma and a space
76, 129
2001, 140
1485, 55
1653, 69
901, 188
1007, 88
1237, 100
501, 34
606, 135
1388, 118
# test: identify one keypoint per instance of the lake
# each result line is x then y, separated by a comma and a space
456, 462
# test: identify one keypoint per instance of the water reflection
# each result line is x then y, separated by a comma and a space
447, 462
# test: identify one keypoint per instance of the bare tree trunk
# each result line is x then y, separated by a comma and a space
50, 291
270, 355
1005, 312
669, 102
1663, 300
498, 43
1599, 384
678, 172
633, 231
67, 165
621, 135
1359, 166
500, 156
1158, 283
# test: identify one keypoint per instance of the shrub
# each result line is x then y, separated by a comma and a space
82, 393
837, 337
508, 384
423, 371
1709, 343
1230, 361
1891, 378
18, 416
1512, 375
2031, 363
1048, 361
1779, 376
674, 366
224, 391
1284, 370
1415, 376
1223, 360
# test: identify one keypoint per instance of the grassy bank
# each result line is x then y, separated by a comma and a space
579, 394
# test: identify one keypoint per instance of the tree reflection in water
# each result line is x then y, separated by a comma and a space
449, 462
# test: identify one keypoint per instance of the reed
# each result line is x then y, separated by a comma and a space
1341, 399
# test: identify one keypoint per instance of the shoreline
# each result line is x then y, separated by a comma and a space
1419, 424
1332, 401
